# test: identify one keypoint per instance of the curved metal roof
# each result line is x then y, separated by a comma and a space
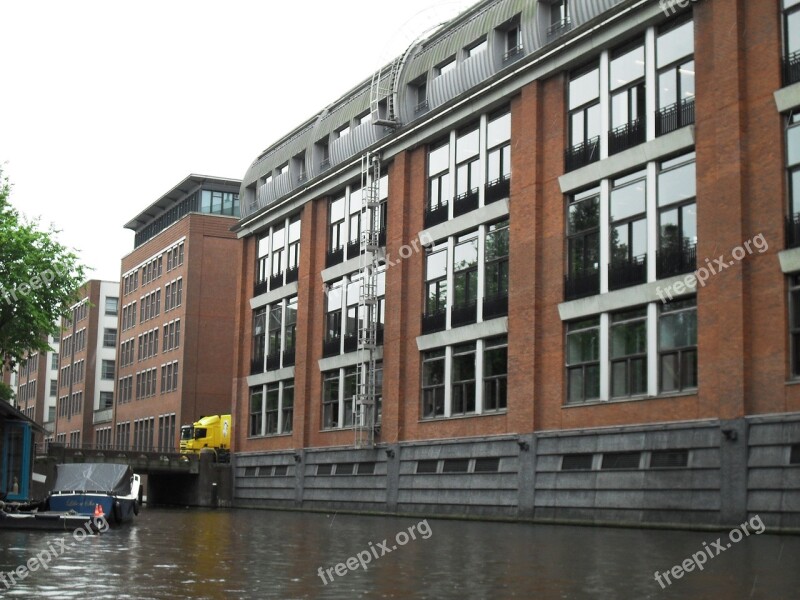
486, 19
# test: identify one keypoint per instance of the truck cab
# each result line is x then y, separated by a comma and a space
212, 432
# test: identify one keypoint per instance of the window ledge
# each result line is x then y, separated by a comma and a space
269, 436
636, 295
792, 382
494, 413
290, 289
680, 139
787, 98
348, 359
669, 396
270, 376
463, 334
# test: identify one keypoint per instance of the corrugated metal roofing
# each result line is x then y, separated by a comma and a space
482, 20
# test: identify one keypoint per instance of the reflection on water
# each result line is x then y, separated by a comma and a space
266, 554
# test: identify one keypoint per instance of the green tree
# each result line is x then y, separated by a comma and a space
39, 279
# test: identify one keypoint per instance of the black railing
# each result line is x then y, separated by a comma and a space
334, 257
582, 284
675, 116
559, 28
257, 365
291, 274
273, 361
332, 346
791, 68
353, 248
466, 202
288, 357
514, 52
676, 261
276, 281
436, 214
261, 287
627, 136
464, 314
583, 154
351, 342
495, 306
793, 231
434, 321
625, 273
498, 189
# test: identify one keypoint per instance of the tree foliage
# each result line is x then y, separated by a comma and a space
39, 280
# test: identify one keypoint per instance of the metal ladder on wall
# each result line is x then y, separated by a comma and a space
366, 396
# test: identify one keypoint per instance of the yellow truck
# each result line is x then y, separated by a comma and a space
212, 432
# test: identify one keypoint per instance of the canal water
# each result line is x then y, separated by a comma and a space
226, 554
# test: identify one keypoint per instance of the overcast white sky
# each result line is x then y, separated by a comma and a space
106, 105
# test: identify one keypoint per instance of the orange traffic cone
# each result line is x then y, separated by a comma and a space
98, 510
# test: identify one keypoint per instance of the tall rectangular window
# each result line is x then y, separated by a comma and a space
583, 244
275, 324
626, 84
498, 145
333, 317
350, 390
293, 260
256, 411
463, 377
628, 231
467, 163
584, 117
628, 353
793, 173
278, 243
583, 360
262, 260
677, 346
433, 383
439, 176
495, 266
436, 279
677, 216
330, 399
287, 406
336, 236
495, 374
273, 397
259, 339
676, 76
354, 229
465, 270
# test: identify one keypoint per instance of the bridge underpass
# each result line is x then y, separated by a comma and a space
169, 478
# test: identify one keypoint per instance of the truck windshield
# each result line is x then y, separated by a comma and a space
199, 433
187, 432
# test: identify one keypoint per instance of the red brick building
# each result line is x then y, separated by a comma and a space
176, 313
36, 387
86, 367
601, 324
